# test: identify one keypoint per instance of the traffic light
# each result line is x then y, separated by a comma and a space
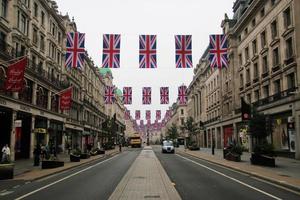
246, 110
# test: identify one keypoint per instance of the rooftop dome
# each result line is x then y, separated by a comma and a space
104, 71
119, 92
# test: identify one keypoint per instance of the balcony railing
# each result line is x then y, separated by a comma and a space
275, 97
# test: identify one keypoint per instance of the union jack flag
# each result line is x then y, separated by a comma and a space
158, 115
148, 114
182, 95
218, 47
147, 51
75, 52
137, 115
168, 114
127, 114
109, 94
111, 51
142, 123
146, 95
183, 44
164, 95
127, 95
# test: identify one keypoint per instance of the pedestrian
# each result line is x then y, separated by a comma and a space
5, 154
37, 153
120, 147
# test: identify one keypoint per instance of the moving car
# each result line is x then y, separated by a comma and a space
167, 147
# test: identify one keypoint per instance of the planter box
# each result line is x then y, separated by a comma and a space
233, 157
6, 171
49, 164
97, 152
84, 155
74, 158
258, 159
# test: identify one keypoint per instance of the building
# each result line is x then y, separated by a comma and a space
36, 29
263, 39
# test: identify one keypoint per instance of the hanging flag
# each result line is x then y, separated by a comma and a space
15, 76
127, 95
218, 47
164, 95
75, 52
111, 51
182, 95
168, 114
183, 44
246, 110
142, 123
137, 115
127, 114
158, 115
148, 115
146, 95
65, 99
109, 94
147, 51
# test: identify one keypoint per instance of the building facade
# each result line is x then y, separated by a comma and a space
263, 39
35, 29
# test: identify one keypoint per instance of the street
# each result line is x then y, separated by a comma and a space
198, 179
95, 181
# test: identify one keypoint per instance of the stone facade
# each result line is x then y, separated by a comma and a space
263, 39
36, 29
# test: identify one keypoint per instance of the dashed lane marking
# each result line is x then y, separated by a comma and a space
6, 193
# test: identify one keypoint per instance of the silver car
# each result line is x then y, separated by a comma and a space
167, 147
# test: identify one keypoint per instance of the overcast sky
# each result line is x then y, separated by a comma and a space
164, 18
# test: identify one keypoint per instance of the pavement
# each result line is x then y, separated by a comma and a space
24, 169
286, 173
145, 179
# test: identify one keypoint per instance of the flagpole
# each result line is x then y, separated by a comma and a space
62, 91
18, 58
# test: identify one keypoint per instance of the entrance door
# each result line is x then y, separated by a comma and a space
5, 126
22, 146
228, 132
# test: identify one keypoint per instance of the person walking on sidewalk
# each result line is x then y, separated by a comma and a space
5, 154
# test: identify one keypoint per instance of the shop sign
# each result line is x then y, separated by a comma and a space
25, 108
40, 130
18, 123
3, 102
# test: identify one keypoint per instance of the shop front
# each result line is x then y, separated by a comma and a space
40, 131
5, 125
228, 135
56, 135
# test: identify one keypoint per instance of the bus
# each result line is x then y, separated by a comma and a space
136, 141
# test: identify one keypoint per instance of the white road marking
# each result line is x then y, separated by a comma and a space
240, 182
6, 193
16, 186
60, 180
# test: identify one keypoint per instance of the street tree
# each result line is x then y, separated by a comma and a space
191, 127
173, 132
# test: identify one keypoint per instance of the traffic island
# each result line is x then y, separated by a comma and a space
6, 171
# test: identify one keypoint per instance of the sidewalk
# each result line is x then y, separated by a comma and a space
24, 169
146, 179
286, 172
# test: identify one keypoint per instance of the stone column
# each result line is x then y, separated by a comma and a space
32, 136
34, 89
49, 100
13, 136
222, 137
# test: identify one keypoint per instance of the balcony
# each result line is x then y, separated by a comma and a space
265, 74
275, 97
289, 60
276, 68
6, 51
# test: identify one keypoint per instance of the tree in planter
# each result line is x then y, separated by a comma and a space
191, 127
263, 151
109, 126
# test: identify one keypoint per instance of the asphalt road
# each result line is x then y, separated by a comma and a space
198, 179
94, 181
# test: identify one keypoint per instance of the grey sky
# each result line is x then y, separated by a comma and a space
164, 18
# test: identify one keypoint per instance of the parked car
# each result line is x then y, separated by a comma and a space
167, 147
